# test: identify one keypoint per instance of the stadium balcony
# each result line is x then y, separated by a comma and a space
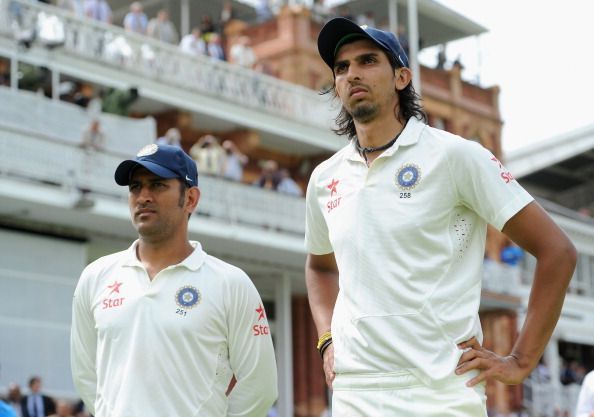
40, 146
221, 94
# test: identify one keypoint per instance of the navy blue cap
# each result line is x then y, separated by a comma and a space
337, 31
165, 161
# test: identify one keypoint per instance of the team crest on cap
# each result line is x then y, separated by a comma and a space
188, 297
148, 150
408, 176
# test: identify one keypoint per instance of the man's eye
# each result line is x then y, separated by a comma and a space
368, 59
133, 187
339, 68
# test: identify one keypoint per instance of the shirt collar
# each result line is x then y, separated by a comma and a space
409, 136
192, 262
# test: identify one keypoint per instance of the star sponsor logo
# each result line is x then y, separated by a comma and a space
261, 329
333, 202
115, 287
504, 174
112, 300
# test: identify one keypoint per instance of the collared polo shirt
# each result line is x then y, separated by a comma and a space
169, 347
408, 234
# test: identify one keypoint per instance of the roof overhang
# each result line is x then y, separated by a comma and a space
437, 23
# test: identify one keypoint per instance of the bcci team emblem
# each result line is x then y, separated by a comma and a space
187, 297
408, 176
148, 150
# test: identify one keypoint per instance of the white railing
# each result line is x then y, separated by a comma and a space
45, 157
545, 399
501, 278
139, 55
40, 115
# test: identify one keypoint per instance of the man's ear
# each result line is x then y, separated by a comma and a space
192, 198
402, 77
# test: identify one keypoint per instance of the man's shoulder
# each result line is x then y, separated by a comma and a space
225, 271
331, 163
106, 262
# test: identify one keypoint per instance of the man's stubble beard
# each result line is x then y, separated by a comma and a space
364, 113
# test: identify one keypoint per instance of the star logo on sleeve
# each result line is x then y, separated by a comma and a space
260, 329
115, 287
332, 187
261, 313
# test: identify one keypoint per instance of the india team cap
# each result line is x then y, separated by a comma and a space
339, 31
165, 161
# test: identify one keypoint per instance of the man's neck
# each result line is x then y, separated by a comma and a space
158, 255
377, 133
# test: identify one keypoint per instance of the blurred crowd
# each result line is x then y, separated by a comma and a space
35, 403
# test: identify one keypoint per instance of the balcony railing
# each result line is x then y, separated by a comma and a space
38, 115
543, 398
109, 45
51, 154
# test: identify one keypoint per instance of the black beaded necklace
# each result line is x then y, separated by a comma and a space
363, 151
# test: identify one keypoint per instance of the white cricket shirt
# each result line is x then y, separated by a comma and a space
585, 402
169, 347
408, 234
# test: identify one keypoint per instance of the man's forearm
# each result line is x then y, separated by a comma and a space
551, 279
322, 290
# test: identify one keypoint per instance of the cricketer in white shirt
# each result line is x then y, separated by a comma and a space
169, 347
585, 403
408, 234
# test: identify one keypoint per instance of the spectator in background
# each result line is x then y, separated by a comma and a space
234, 161
241, 53
403, 38
77, 7
93, 138
441, 57
287, 185
36, 404
320, 12
269, 176
171, 137
98, 10
214, 47
207, 25
161, 28
63, 409
117, 101
227, 14
6, 410
209, 155
585, 402
366, 18
135, 20
15, 397
263, 12
193, 43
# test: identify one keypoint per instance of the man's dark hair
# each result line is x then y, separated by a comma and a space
183, 186
408, 106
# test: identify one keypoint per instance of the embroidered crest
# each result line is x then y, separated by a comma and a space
188, 297
148, 150
408, 176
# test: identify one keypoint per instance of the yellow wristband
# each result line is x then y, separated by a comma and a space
323, 338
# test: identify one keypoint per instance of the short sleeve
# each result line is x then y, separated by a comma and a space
484, 185
317, 240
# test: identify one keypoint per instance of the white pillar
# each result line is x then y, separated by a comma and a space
185, 17
553, 361
284, 345
413, 44
393, 15
14, 72
55, 84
